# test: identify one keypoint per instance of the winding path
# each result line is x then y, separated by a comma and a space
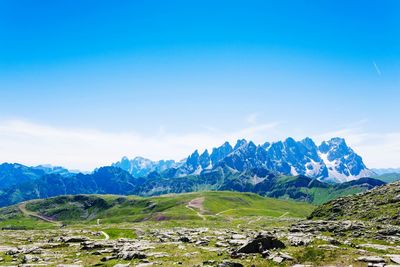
283, 215
219, 213
22, 208
196, 205
106, 236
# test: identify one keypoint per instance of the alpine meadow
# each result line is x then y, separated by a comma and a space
199, 133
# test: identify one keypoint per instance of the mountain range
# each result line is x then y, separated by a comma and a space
385, 171
114, 180
331, 161
292, 169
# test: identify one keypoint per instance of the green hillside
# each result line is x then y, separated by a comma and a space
381, 204
123, 209
313, 191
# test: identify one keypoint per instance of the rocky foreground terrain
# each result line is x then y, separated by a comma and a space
208, 229
258, 241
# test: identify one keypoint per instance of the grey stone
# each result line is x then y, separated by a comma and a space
230, 264
261, 243
278, 259
372, 259
74, 239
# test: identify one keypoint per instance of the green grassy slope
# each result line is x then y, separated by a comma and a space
381, 204
323, 195
117, 209
11, 218
313, 191
249, 204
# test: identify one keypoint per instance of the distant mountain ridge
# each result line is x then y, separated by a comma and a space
12, 174
331, 161
114, 180
292, 169
385, 171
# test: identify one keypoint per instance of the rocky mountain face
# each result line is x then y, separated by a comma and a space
114, 180
380, 204
105, 180
331, 161
140, 167
298, 170
12, 174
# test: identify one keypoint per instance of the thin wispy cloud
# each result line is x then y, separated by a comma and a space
377, 69
85, 149
32, 144
252, 118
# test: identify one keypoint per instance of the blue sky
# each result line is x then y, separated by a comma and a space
83, 83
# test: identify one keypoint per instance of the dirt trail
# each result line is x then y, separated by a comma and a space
283, 215
255, 220
197, 206
106, 236
219, 213
22, 208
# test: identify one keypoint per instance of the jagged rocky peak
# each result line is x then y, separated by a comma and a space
140, 167
342, 162
204, 159
336, 147
193, 160
240, 143
309, 143
290, 141
221, 152
266, 145
332, 160
196, 162
251, 145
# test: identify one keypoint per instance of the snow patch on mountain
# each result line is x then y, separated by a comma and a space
333, 160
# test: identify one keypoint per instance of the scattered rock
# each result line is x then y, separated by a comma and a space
278, 259
30, 258
286, 256
328, 247
89, 245
372, 259
266, 253
108, 258
221, 244
376, 246
261, 243
230, 264
184, 239
238, 236
73, 239
145, 264
394, 258
129, 255
237, 242
299, 239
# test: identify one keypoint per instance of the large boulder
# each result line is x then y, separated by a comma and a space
73, 239
261, 243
